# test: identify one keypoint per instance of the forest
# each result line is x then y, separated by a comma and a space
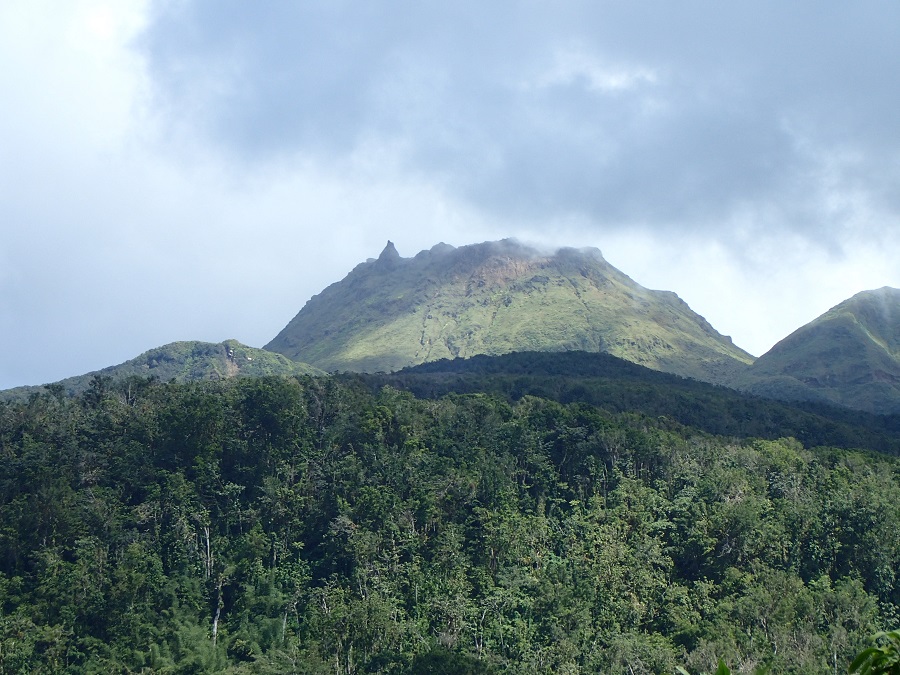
344, 525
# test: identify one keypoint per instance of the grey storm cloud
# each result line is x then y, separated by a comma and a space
652, 113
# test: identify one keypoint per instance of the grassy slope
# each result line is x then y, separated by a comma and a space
850, 355
186, 361
497, 298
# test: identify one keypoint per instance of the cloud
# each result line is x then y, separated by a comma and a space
651, 114
576, 65
111, 247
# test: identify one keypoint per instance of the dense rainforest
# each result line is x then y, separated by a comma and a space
617, 385
326, 525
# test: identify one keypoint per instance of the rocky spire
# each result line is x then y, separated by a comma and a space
389, 253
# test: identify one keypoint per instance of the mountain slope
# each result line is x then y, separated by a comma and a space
850, 355
186, 361
495, 298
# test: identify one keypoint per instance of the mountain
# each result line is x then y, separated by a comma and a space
183, 362
850, 356
495, 298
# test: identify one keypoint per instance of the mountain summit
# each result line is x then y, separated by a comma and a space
496, 298
850, 355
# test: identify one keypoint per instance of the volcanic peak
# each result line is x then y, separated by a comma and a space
495, 298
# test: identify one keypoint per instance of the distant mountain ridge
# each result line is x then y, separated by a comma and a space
503, 297
850, 356
183, 362
495, 298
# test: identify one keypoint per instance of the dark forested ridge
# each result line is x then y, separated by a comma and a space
311, 525
617, 385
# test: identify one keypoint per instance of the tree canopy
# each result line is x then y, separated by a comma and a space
312, 525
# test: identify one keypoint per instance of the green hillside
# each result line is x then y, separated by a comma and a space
495, 298
184, 362
849, 356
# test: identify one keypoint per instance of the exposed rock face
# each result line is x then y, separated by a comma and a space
389, 253
850, 355
496, 298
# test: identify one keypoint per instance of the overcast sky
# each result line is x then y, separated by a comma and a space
197, 169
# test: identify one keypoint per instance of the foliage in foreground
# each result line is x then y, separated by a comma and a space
308, 526
884, 658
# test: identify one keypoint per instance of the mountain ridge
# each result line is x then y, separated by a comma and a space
850, 355
182, 361
616, 385
494, 298
504, 297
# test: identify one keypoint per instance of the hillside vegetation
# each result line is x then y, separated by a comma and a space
271, 525
849, 356
617, 385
